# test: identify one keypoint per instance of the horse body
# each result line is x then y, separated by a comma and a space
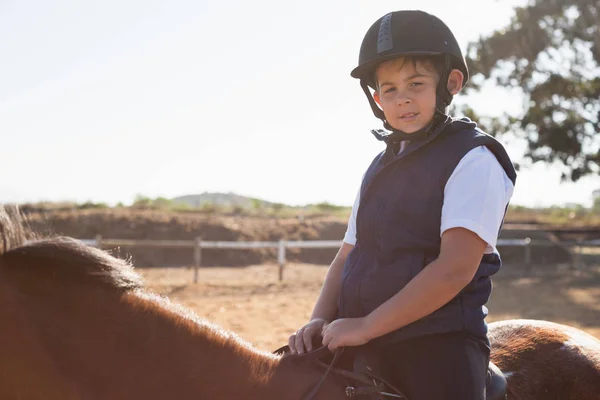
77, 324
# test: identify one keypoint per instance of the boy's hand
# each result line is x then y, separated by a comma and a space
301, 341
345, 332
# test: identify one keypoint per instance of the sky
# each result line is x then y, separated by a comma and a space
104, 101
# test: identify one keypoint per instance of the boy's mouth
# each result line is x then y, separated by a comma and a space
408, 116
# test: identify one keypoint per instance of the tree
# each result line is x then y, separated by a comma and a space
551, 52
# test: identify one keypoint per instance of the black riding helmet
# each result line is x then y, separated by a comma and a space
408, 33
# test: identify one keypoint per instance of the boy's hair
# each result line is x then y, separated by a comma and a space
431, 62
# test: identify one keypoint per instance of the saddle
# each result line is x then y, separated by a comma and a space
362, 362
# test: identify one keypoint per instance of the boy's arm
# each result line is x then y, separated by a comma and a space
325, 308
326, 305
437, 284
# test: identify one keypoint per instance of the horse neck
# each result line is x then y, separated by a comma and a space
294, 380
102, 345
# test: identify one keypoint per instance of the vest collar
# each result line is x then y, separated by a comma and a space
416, 140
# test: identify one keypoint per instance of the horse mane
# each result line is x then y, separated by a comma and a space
60, 257
13, 232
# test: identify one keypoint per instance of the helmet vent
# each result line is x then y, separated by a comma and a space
384, 38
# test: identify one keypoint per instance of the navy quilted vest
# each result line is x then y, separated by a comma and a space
398, 232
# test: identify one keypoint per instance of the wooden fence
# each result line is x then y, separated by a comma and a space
198, 245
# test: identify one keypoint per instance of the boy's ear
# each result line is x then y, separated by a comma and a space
455, 81
377, 98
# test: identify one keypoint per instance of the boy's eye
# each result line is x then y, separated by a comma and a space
415, 84
390, 90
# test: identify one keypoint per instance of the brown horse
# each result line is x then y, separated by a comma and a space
77, 323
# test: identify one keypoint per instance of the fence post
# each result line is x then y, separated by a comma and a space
99, 242
281, 257
577, 255
527, 246
197, 257
528, 251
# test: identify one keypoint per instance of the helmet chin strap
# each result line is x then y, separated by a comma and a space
443, 100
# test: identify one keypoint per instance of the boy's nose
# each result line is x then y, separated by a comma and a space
402, 99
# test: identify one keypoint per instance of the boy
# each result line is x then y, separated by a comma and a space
413, 275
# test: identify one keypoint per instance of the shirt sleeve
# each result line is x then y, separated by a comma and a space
350, 236
476, 196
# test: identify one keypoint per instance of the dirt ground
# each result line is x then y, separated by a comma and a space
253, 303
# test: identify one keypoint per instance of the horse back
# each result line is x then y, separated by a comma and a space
543, 360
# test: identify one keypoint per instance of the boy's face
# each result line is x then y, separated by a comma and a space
406, 93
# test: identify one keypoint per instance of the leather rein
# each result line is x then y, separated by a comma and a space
365, 384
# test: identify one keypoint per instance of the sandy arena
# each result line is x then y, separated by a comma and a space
253, 303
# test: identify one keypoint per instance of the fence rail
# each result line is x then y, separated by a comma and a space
198, 245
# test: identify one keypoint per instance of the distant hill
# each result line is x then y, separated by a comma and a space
222, 199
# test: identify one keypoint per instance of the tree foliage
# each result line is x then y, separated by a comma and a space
551, 52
